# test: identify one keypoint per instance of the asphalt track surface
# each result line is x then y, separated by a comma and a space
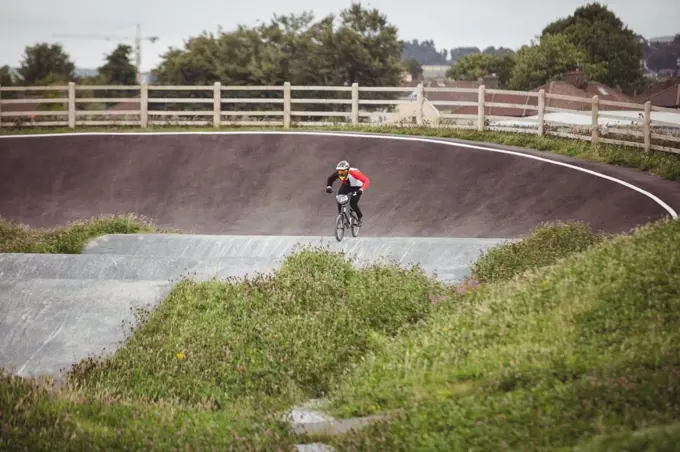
273, 184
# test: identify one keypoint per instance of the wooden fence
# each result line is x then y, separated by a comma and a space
538, 112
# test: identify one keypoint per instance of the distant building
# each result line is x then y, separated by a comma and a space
665, 94
432, 72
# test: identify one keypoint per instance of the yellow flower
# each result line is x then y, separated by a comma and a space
180, 355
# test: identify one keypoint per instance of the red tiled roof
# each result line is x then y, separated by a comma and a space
506, 98
658, 88
668, 97
564, 88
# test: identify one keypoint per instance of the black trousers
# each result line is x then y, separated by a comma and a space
353, 200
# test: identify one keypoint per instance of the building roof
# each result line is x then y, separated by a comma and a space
507, 98
575, 85
587, 91
663, 95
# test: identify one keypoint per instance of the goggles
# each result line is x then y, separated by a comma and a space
342, 173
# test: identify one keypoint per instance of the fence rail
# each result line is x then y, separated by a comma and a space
538, 112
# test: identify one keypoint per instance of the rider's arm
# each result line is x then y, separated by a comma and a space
332, 178
362, 177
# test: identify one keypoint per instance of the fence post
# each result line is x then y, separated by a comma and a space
144, 105
541, 112
420, 98
286, 105
72, 105
217, 104
647, 126
595, 123
355, 104
481, 100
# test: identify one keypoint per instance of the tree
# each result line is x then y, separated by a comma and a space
424, 52
361, 47
664, 55
549, 59
6, 76
365, 48
414, 68
604, 40
46, 63
118, 69
459, 52
476, 65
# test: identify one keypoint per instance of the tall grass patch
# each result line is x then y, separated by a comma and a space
580, 353
70, 238
36, 416
545, 245
284, 337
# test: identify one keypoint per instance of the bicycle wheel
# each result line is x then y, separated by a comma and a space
355, 227
339, 228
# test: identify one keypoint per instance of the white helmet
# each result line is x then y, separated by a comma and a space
343, 169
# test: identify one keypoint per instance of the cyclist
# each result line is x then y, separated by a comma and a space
352, 181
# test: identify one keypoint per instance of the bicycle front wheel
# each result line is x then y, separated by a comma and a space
339, 228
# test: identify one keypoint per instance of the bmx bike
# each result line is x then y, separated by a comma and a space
346, 218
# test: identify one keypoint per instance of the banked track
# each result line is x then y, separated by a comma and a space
250, 198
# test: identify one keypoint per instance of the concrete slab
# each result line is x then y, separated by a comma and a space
441, 252
19, 266
47, 325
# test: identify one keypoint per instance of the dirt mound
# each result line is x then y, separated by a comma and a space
274, 184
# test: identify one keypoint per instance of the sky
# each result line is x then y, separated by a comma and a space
449, 23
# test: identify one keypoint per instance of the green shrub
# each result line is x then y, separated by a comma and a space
545, 245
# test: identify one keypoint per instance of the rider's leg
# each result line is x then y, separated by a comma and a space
354, 203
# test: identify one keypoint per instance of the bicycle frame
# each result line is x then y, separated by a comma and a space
345, 209
348, 217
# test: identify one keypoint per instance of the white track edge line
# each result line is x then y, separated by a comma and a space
653, 197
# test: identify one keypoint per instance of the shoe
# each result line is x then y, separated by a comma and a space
359, 222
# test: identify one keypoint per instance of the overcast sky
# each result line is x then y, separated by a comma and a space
450, 23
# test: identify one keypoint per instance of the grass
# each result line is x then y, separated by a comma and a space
662, 164
579, 355
220, 360
71, 238
545, 245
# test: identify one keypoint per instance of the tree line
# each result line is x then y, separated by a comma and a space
593, 39
361, 45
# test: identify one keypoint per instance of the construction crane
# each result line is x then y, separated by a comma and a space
138, 38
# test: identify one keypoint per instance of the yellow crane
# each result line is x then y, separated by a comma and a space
138, 38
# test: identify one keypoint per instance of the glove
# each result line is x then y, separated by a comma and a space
361, 190
329, 189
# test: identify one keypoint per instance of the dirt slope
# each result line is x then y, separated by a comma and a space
274, 184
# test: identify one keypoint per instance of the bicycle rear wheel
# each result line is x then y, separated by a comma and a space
339, 228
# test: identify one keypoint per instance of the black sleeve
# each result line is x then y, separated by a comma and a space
332, 178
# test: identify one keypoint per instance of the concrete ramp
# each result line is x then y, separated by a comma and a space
58, 309
437, 251
47, 325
